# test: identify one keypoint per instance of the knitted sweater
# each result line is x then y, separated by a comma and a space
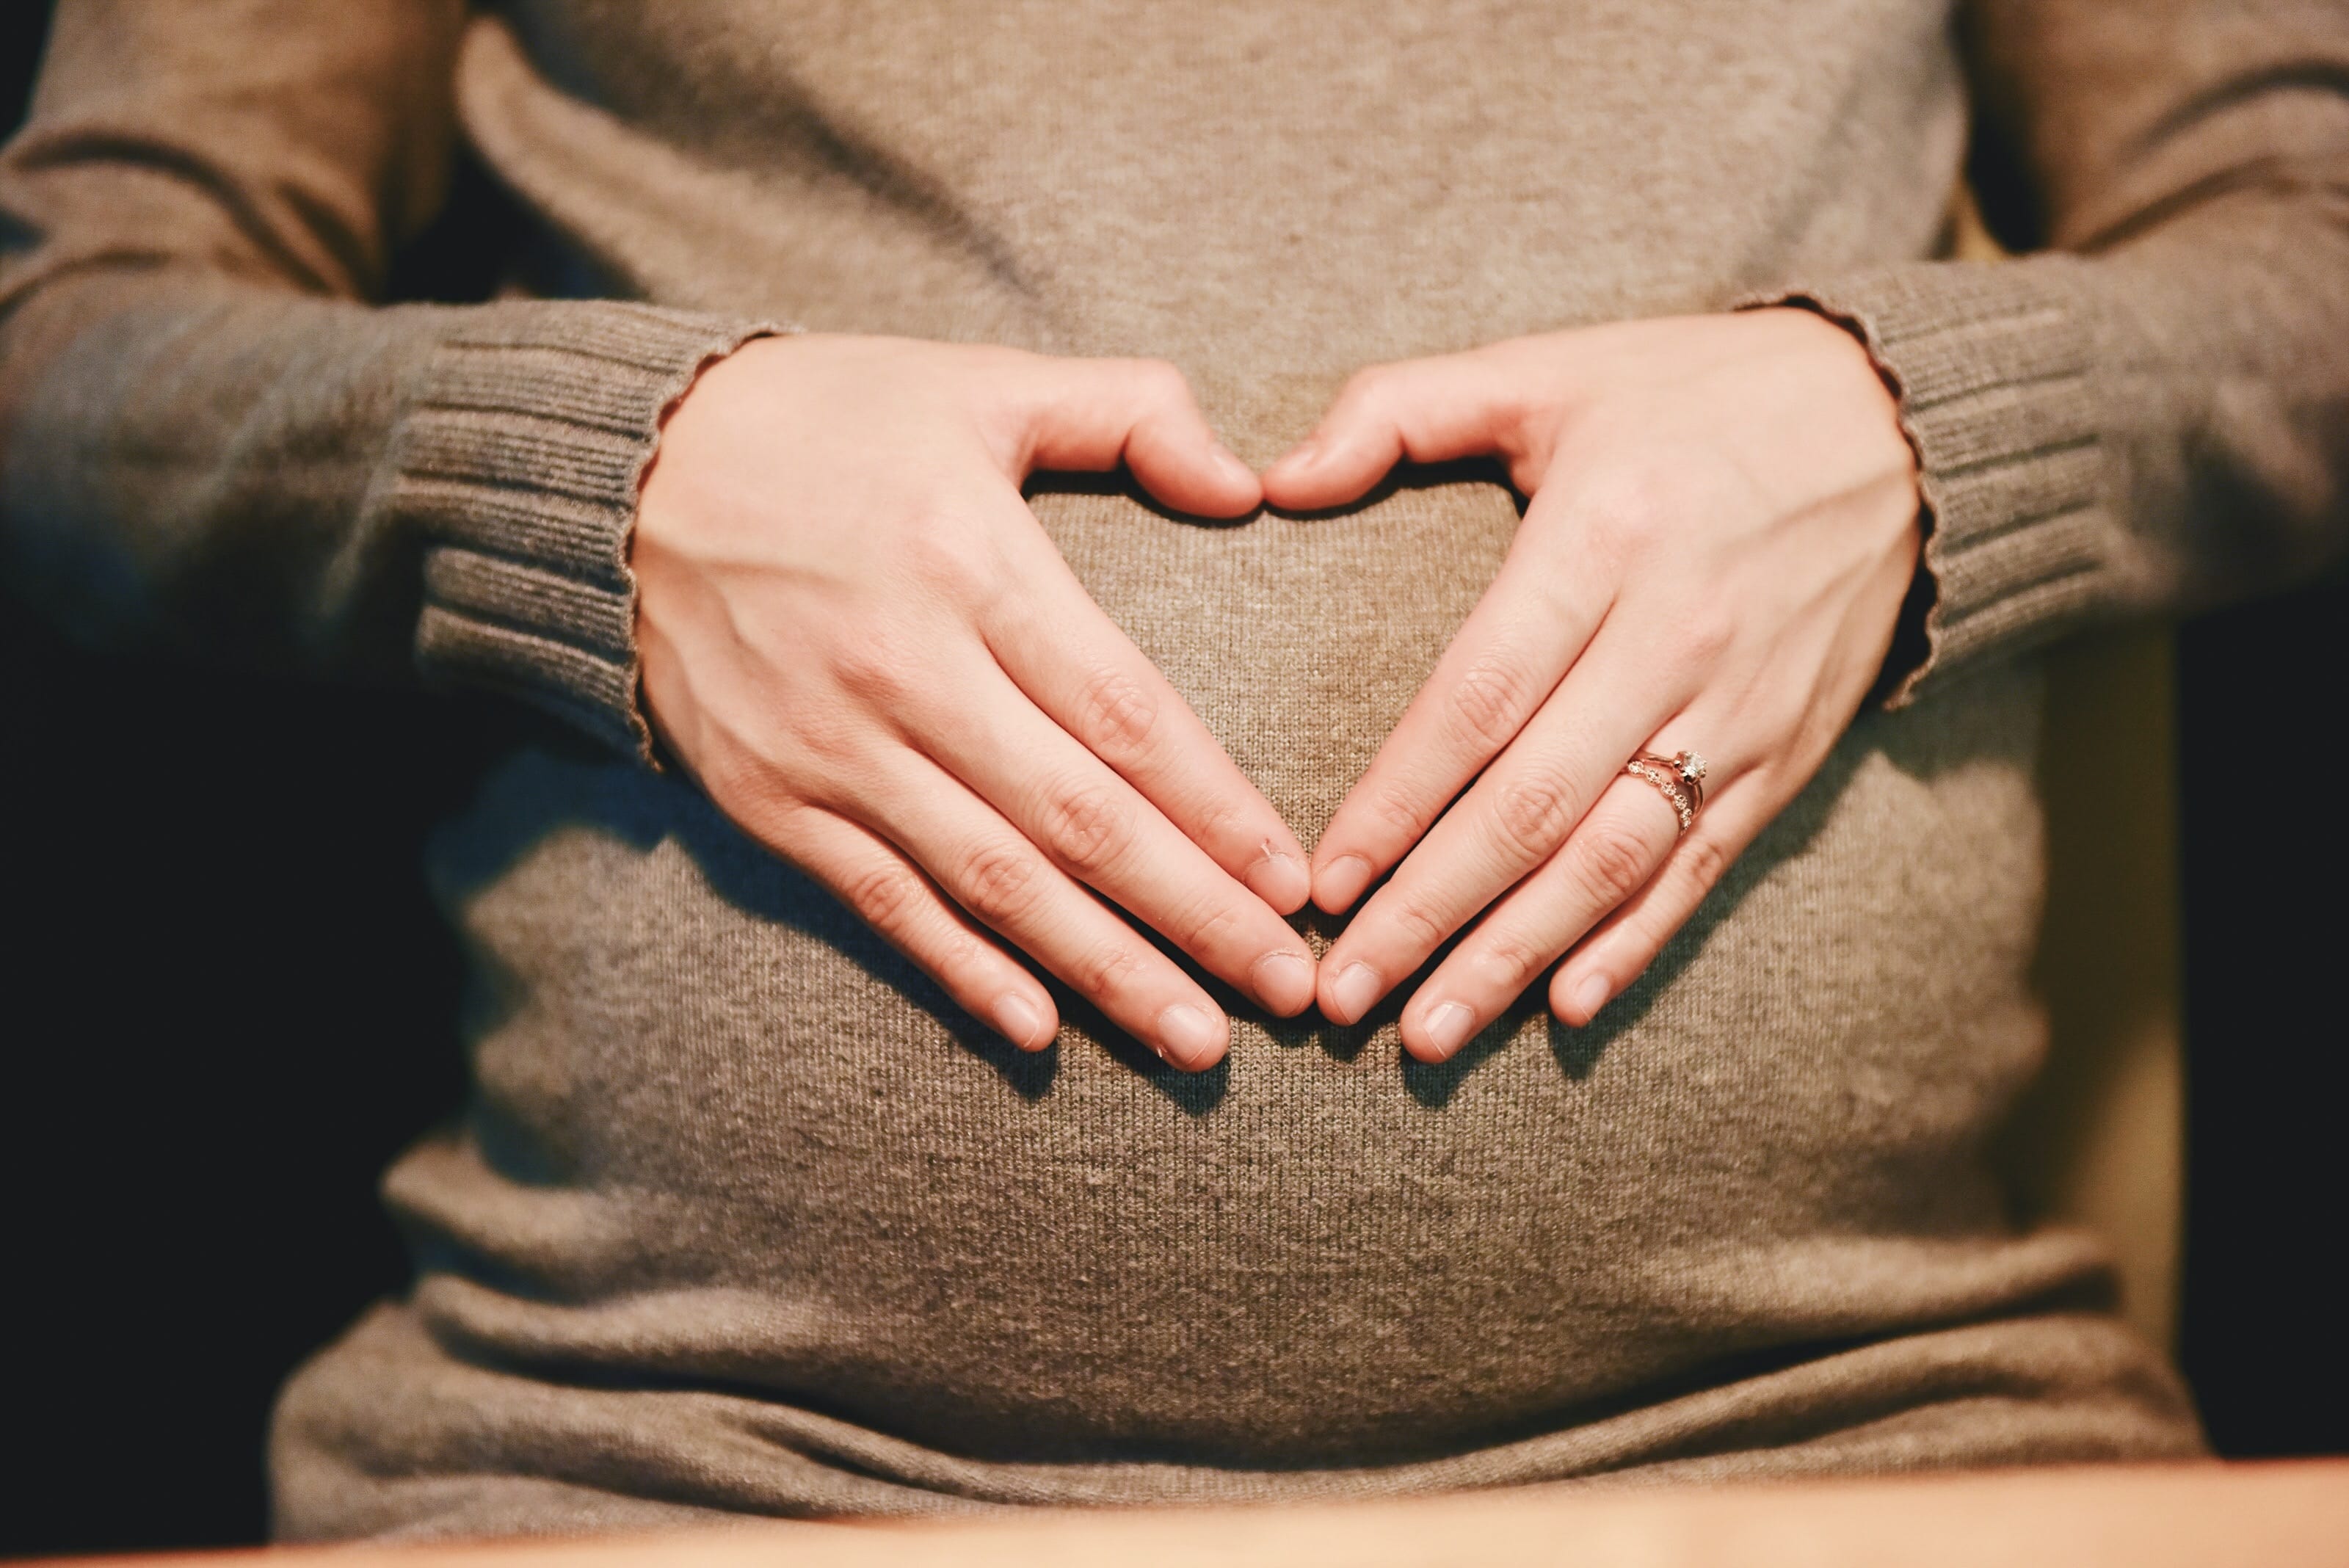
743, 1216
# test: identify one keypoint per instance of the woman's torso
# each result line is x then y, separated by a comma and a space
746, 1215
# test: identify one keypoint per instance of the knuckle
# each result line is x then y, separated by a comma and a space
1704, 860
1703, 633
1088, 825
1421, 924
746, 787
1218, 821
782, 823
1367, 384
1161, 381
1626, 511
1531, 813
887, 897
1116, 714
1205, 925
1491, 698
1107, 970
1395, 806
828, 732
876, 668
964, 958
1612, 861
1366, 395
1505, 959
947, 556
999, 883
1617, 538
761, 781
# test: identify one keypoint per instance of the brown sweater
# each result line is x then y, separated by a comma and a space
743, 1216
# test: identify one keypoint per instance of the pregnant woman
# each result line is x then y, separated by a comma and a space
1025, 965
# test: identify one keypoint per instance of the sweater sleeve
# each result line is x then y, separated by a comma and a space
2150, 410
211, 441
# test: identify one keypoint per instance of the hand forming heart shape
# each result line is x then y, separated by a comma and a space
909, 694
1722, 526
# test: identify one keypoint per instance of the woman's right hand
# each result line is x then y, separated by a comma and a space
862, 644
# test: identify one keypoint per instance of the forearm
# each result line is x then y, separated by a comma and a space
2148, 412
211, 440
2158, 429
196, 463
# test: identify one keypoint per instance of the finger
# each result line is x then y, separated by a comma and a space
885, 890
1099, 829
987, 866
1429, 411
1504, 661
1609, 858
1092, 414
1510, 821
1074, 663
1620, 949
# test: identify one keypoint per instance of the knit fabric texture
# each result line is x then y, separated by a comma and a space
743, 1216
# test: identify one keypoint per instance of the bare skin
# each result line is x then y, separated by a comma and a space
858, 639
1723, 523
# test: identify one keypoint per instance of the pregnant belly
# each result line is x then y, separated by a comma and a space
723, 1137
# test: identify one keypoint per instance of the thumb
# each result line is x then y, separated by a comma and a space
1091, 414
1429, 411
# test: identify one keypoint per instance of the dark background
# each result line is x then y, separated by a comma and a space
228, 1002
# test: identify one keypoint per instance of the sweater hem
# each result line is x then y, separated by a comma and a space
521, 461
1992, 372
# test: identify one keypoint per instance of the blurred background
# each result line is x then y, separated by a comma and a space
203, 868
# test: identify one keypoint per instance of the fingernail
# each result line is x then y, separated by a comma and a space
1236, 470
1187, 1036
1591, 995
1284, 982
1448, 1028
1342, 882
1016, 1020
1357, 989
1279, 881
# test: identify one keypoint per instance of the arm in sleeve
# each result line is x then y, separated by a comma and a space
2151, 412
211, 441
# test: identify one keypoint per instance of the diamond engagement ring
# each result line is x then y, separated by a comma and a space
1679, 778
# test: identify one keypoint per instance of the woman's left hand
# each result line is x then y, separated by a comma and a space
1723, 525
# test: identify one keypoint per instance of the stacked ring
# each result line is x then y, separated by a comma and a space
1679, 778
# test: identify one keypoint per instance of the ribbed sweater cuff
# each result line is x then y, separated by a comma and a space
1991, 363
519, 461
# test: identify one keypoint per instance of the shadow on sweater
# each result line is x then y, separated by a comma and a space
557, 783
